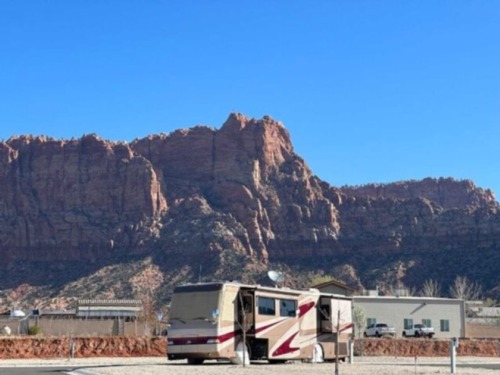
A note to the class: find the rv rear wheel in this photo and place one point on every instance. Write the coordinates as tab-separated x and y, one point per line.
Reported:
318	355
195	361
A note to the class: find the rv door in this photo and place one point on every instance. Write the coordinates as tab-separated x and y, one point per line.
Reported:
246	310
325	315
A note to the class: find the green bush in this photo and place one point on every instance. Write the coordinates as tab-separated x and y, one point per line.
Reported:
34	330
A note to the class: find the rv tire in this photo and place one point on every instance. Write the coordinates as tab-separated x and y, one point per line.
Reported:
195	361
318	354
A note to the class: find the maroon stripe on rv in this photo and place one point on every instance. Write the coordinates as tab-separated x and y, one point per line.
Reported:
285	348
346	327
199	340
304	309
260	329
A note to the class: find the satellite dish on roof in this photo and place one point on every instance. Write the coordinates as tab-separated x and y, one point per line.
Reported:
276	277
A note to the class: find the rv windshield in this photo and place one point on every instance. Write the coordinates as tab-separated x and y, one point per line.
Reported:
193	304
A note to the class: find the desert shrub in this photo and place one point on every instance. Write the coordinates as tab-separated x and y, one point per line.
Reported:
34	330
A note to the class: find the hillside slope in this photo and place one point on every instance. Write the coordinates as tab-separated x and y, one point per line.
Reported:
94	218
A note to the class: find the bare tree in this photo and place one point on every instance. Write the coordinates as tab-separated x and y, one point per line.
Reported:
243	311
463	288
359	319
430	288
393	289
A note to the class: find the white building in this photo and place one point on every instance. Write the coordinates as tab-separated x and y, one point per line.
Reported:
446	316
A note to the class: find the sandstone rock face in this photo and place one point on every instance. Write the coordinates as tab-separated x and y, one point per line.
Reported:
446	192
74	200
235	201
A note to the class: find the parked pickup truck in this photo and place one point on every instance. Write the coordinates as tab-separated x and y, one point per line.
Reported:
379	330
419	330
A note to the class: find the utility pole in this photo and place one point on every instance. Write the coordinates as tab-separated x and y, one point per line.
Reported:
337	344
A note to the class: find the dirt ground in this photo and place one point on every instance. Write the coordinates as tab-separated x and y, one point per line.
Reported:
214	368
362	366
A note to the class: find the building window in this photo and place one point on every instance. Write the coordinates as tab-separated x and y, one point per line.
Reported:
408	323
288	307
267	306
445	325
371	321
427	322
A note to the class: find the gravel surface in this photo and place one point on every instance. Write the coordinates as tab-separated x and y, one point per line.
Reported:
82	362
364	366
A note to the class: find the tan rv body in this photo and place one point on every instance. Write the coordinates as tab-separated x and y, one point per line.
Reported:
207	322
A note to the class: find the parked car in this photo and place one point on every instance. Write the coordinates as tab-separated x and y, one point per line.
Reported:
379	330
419	330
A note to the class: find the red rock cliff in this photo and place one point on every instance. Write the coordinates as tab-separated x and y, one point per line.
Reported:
233	200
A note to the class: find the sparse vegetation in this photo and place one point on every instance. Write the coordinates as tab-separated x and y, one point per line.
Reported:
463	288
34	330
431	288
359	320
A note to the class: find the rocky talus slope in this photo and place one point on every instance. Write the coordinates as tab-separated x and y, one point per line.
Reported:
94	218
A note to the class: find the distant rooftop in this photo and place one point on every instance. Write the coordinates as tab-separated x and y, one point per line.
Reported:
110	302
411	298
333	282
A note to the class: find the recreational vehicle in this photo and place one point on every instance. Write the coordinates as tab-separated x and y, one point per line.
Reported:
214	320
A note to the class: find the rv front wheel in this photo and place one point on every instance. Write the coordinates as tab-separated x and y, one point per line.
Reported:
318	355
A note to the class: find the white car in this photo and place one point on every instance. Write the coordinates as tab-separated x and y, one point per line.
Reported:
419	330
379	330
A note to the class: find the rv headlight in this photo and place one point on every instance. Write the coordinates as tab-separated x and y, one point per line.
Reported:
170	342
213	341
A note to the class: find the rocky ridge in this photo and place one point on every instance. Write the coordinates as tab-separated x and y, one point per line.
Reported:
233	200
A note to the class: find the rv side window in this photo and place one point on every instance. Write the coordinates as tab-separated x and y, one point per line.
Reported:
267	306
287	307
247	304
325	312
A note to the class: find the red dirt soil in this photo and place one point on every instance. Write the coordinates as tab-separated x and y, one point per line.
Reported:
124	346
54	347
425	348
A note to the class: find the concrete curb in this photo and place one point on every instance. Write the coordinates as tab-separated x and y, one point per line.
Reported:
82	372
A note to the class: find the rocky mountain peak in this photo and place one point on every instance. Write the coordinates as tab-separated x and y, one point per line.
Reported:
235	200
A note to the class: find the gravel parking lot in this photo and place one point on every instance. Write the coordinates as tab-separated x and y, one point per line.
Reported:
365	366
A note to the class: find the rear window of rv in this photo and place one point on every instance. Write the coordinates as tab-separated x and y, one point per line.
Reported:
288	307
267	306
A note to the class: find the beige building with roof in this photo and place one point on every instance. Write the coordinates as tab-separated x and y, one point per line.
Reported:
335	287
447	316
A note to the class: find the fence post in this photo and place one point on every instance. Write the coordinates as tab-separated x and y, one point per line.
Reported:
351	350
453	354
72	345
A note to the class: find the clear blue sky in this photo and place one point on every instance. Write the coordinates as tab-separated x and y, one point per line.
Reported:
371	91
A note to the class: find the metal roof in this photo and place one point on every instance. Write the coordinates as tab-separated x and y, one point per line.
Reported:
408	298
333	282
109	302
105	314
